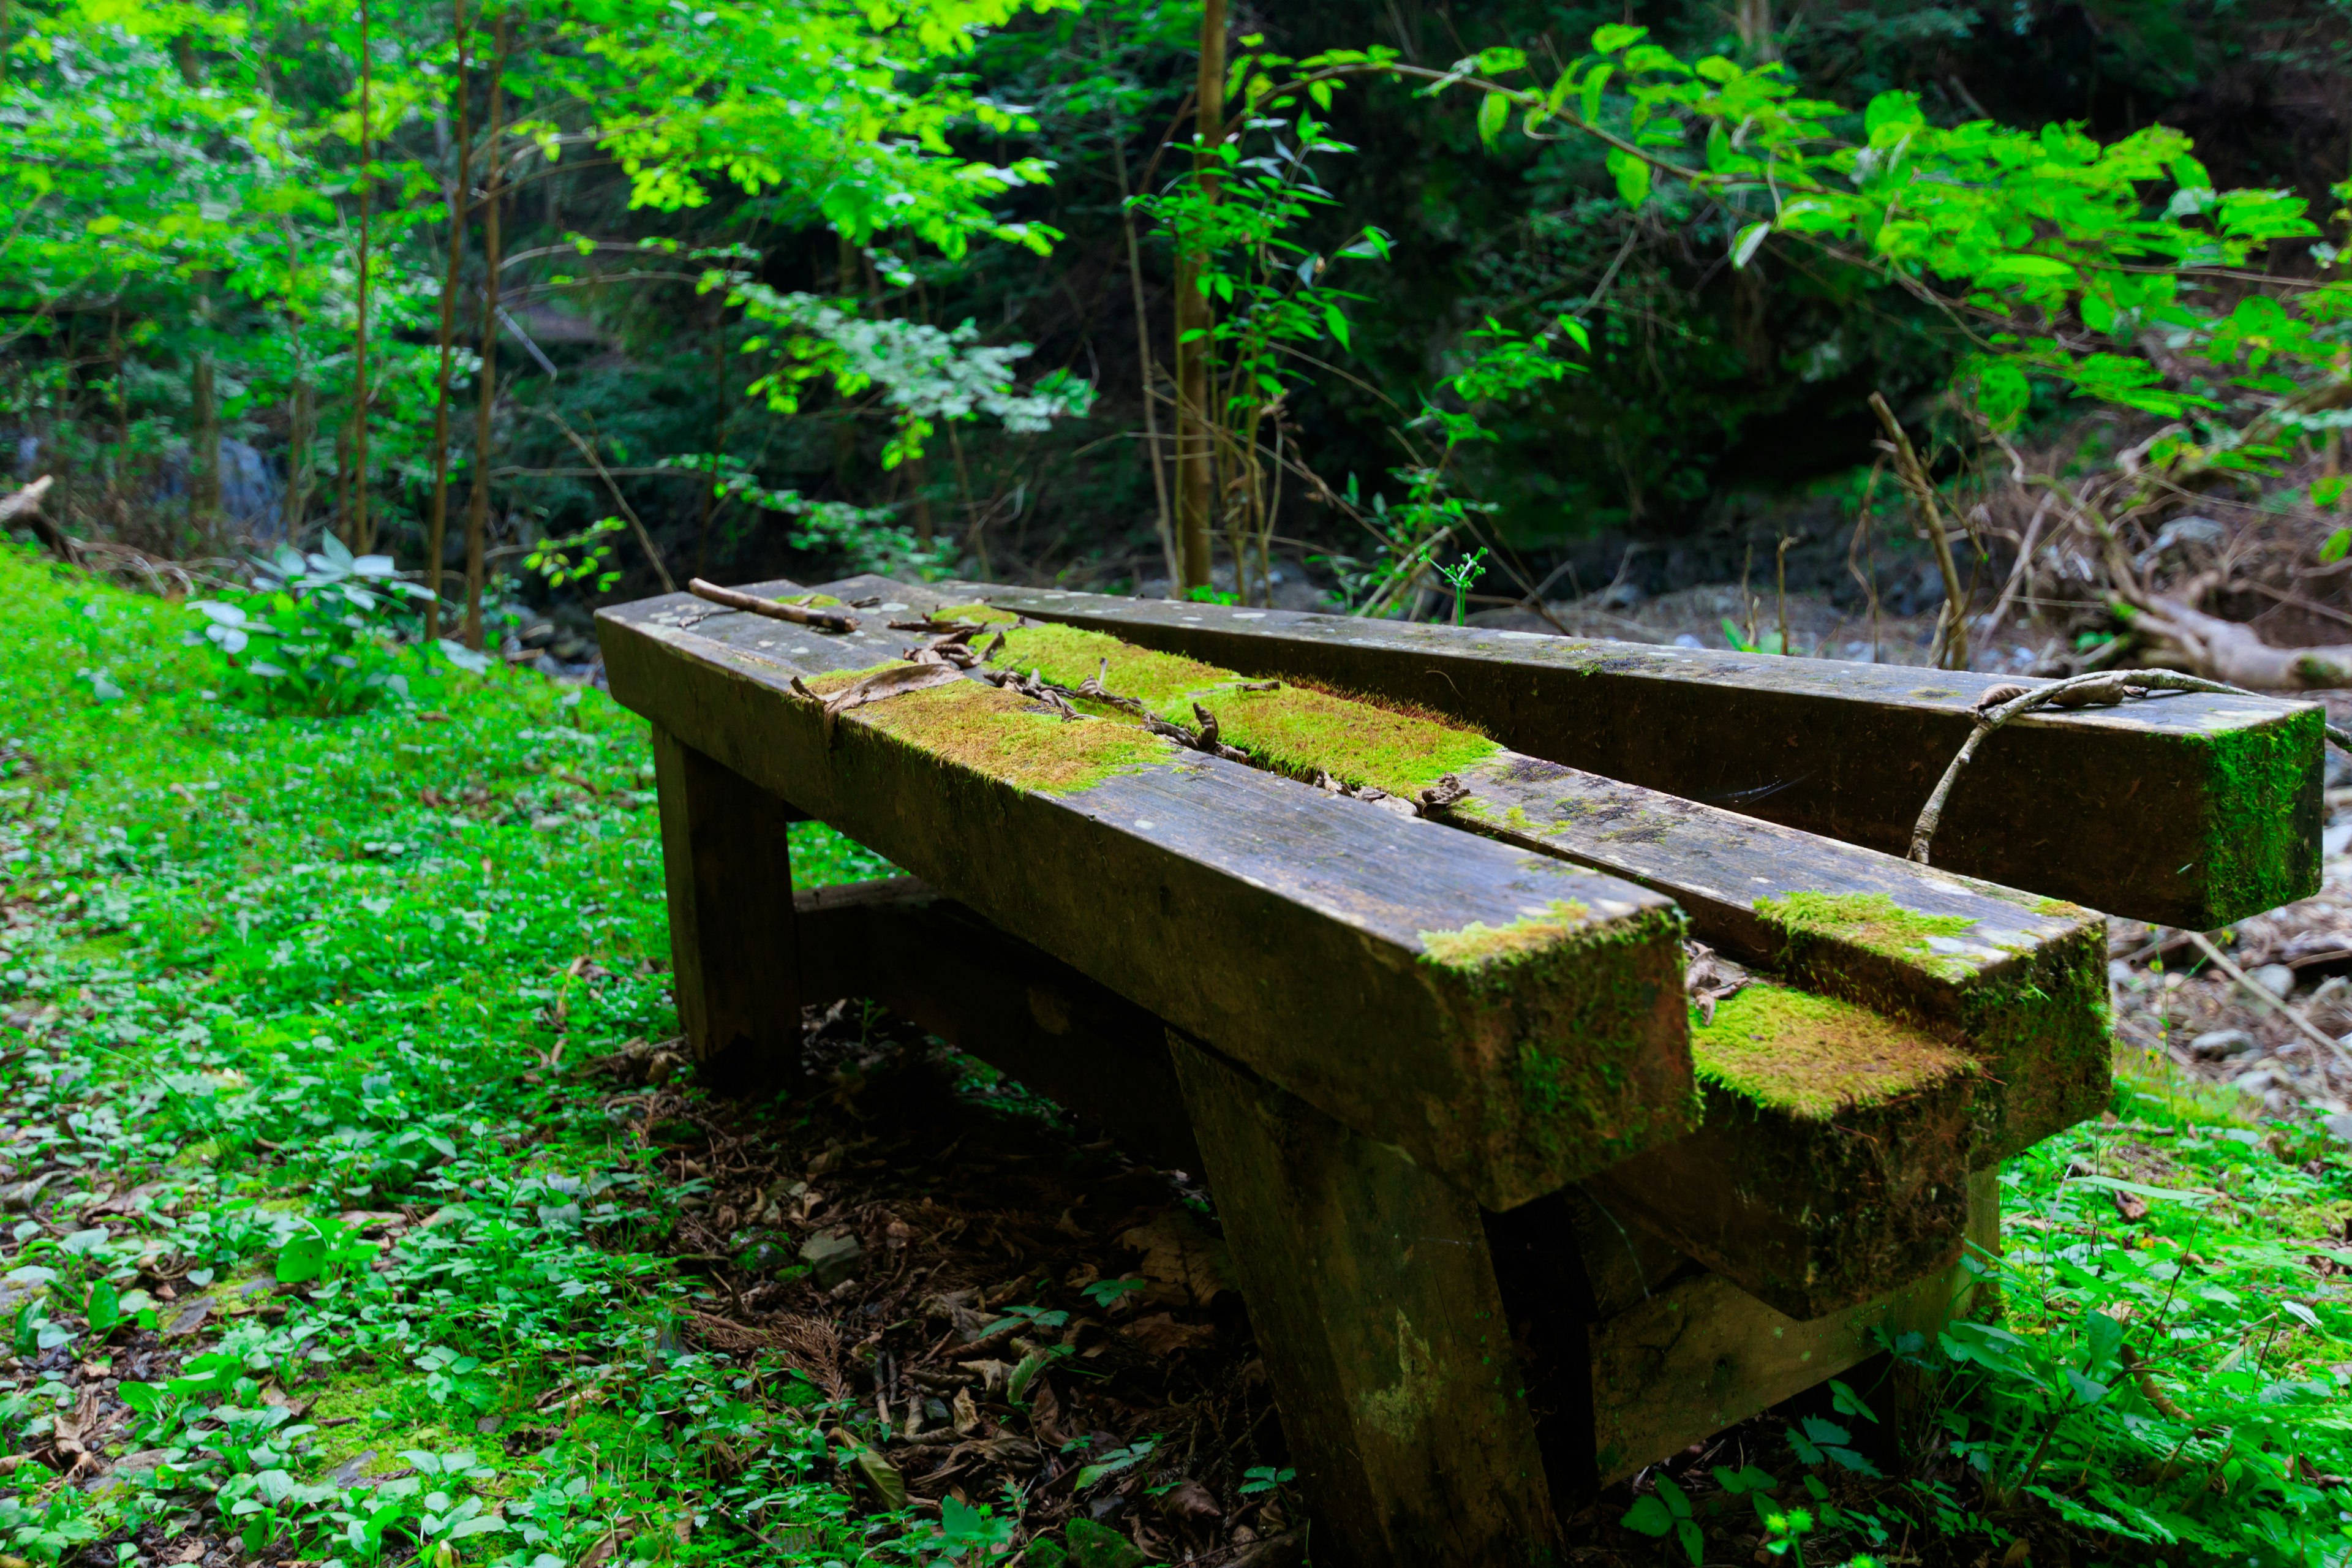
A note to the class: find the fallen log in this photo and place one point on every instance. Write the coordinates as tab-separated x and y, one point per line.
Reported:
2230	652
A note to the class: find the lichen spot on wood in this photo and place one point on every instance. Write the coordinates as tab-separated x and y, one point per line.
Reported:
1872	921
1478	947
997	735
1814	1057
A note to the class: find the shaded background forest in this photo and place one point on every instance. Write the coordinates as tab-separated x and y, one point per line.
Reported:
1723	410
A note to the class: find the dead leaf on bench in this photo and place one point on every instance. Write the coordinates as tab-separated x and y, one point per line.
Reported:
1161	1335
1178	1250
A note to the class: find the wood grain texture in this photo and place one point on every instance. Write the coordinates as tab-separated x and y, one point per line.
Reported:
1303	933
2193	811
727	868
1374	1301
1025	1013
1701	1354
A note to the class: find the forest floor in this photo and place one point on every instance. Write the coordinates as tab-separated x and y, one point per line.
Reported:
357	1208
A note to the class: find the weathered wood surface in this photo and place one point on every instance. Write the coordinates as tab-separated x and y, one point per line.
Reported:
1510	1021
2193	811
2017	980
1835	1143
1832	1160
1376	1308
922	954
727	867
1693	1357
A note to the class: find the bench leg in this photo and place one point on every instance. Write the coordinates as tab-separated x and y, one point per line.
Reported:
727	865
1374	1299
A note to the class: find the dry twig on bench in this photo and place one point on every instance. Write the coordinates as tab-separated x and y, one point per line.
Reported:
800	615
2001	703
895	681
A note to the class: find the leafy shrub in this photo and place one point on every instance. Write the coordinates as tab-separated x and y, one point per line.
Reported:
330	626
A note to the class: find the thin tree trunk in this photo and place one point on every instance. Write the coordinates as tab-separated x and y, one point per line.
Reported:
114	479
203	463
362	532
1196	458
301	433
477	505
460	197
1143	353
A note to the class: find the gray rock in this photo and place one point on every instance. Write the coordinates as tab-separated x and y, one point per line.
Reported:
2216	1042
2262	1081
2339	1126
2278	979
834	1256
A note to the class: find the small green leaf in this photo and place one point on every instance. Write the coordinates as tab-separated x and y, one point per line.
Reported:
1494	110
1631	174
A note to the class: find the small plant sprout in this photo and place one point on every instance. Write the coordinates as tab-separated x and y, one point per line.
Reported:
1667	1512
1461	575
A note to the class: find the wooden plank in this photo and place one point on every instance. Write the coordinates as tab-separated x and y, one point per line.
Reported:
1701	1354
1511	1021
2190	811
2016	980
727	867
1375	1304
1834	1159
901	943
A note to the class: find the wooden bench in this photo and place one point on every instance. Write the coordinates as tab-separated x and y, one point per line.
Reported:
1508	1225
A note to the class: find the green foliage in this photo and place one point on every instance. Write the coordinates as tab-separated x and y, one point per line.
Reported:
329	626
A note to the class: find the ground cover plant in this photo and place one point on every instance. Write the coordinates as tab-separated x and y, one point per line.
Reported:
358	1206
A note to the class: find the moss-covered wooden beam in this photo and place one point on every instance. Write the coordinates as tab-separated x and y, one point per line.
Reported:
1513	1022
2016	981
2193	811
1833	1158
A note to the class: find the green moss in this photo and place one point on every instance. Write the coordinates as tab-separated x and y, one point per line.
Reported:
1297	729
1478	946
986	615
1872	921
2261	823
995	734
1815	1056
808	600
1068	655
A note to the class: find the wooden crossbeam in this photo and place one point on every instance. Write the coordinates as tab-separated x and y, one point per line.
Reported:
901	943
1511	1021
2191	811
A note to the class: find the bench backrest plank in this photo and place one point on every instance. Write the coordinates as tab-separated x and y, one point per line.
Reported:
2191	811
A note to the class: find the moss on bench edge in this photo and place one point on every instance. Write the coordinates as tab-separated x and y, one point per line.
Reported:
1814	1057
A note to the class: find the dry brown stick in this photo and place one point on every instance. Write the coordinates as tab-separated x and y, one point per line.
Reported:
2303	1026
1914	475
823	620
2102	690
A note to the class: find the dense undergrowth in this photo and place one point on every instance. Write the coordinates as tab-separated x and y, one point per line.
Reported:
320	1248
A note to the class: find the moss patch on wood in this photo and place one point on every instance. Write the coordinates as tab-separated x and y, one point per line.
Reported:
1872	921
2262	822
986	615
1478	946
808	600
1815	1056
995	734
1297	729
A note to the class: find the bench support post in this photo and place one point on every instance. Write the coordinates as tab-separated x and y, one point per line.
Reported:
1374	1300
727	867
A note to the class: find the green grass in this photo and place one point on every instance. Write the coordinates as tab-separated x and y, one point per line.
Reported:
261	982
